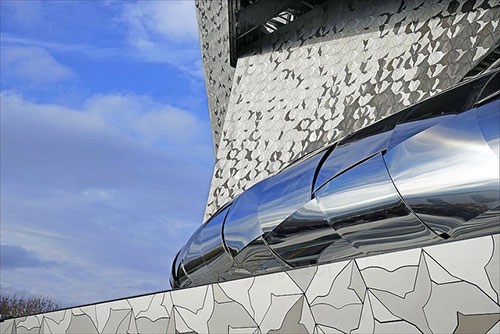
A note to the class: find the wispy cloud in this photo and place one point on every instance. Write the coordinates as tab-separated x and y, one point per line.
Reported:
151	31
13	257
88	50
32	64
157	28
110	191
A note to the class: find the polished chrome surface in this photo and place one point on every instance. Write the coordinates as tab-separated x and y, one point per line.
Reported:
344	156
285	192
301	238
425	175
488	118
448	173
193	259
215	258
364	208
242	224
257	258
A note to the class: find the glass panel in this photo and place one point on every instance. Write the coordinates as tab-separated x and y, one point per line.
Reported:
365	209
302	237
286	192
242	225
448	174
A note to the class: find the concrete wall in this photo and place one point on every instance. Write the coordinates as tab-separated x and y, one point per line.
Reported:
449	288
336	70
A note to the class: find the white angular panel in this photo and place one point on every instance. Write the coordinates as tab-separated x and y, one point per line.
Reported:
103	311
322	281
366	322
198	321
438	274
380	312
239	291
60	323
466	260
275	314
193	302
262	288
155	309
29	323
391	261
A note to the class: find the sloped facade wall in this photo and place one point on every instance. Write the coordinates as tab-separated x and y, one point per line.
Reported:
449	288
213	27
339	68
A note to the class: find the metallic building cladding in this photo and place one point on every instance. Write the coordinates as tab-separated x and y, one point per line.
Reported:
425	175
338	68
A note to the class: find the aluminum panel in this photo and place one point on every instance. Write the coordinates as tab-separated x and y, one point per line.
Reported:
448	173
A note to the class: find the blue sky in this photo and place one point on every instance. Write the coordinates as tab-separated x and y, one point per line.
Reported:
106	148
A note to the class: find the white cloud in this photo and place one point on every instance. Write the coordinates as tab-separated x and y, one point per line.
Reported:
32	64
164	31
141	117
173	20
112	190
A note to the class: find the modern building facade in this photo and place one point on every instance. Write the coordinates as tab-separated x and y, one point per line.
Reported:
337	68
285	78
426	175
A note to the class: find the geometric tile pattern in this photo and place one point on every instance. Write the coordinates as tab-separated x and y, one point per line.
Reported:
214	38
331	72
448	288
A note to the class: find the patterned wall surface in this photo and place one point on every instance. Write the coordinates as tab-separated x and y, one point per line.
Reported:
339	69
450	288
214	38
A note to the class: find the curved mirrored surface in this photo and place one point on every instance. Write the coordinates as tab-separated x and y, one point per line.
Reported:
183	280
242	224
257	258
448	173
286	192
303	236
406	130
432	176
193	259
488	118
364	208
215	257
342	157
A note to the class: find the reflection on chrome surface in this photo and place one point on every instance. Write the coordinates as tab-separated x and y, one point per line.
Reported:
426	175
364	208
448	173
